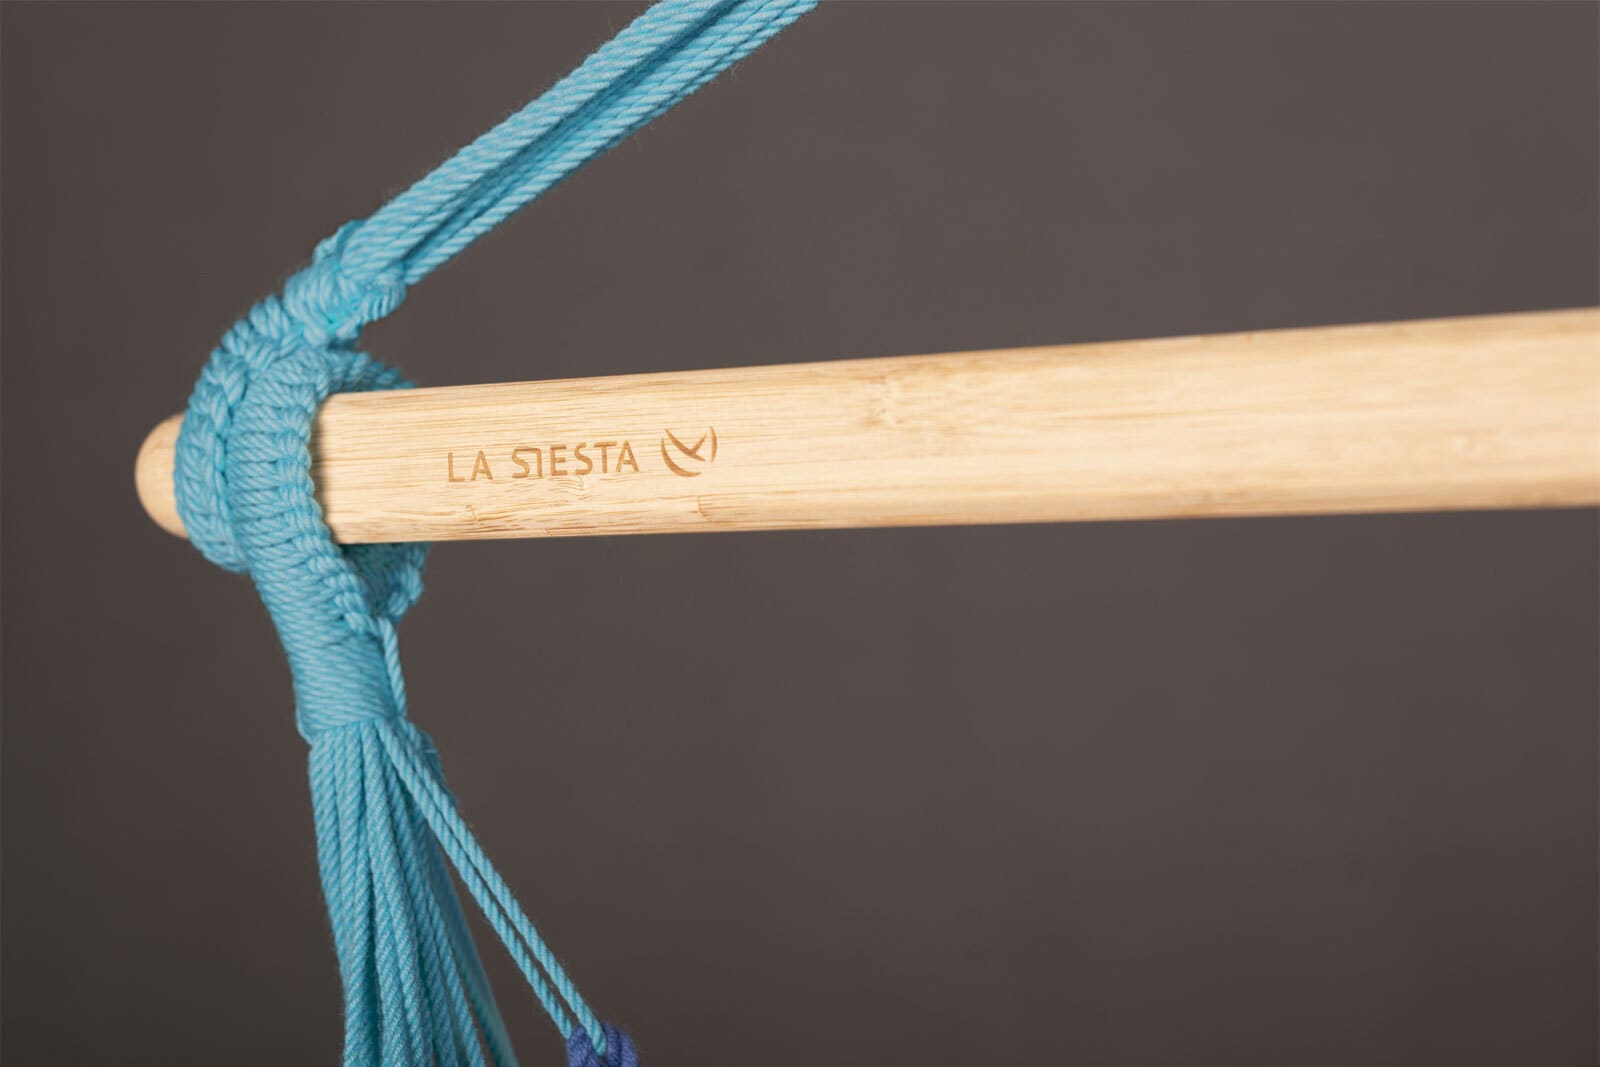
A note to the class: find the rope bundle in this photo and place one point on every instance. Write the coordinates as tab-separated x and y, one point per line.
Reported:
414	988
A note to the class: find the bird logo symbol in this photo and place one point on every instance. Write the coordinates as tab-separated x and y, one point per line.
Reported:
688	456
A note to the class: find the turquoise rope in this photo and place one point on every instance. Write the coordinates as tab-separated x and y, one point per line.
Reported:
414	989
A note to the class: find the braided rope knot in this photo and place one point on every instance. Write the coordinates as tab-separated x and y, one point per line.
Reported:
330	304
244	489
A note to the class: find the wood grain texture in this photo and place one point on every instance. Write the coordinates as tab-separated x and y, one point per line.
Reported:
1485	412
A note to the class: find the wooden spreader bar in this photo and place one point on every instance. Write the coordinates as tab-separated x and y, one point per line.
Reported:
1488	412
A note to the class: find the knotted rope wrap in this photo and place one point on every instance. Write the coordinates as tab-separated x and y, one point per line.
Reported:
414	989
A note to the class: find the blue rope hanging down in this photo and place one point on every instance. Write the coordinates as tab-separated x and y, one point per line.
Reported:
414	990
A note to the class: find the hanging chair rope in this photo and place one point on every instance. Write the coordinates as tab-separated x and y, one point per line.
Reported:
414	989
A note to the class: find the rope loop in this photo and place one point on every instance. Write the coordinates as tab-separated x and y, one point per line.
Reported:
301	339
248	430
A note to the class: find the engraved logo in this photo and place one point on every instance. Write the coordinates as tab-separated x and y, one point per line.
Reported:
576	461
688	458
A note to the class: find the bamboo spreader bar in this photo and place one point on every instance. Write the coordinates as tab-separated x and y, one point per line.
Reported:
1487	412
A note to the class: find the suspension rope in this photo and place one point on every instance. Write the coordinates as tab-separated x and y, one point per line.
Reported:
414	989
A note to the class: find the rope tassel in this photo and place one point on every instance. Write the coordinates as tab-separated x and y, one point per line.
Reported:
388	831
414	966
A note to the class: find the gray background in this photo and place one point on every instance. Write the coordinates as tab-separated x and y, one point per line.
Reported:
1314	791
